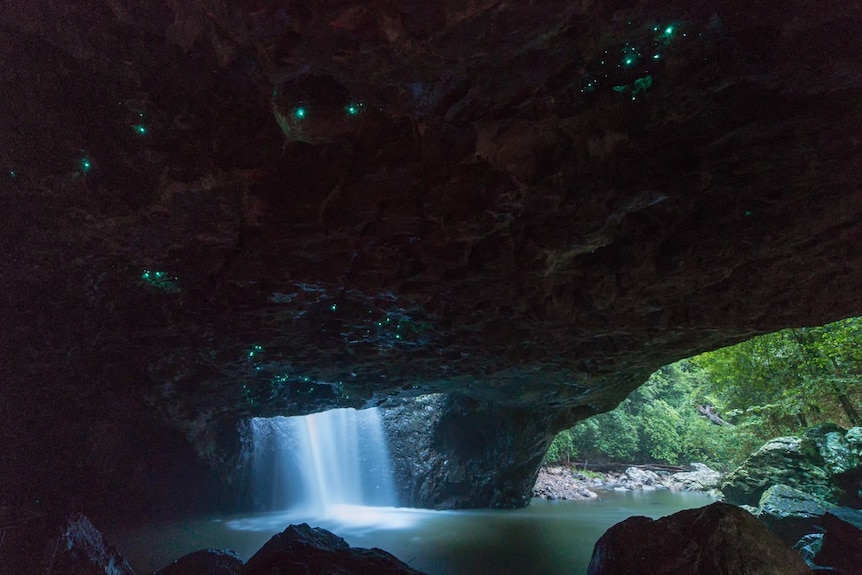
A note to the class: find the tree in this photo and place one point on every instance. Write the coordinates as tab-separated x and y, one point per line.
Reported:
776	384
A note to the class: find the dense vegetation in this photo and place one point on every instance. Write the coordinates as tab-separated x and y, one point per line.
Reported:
772	385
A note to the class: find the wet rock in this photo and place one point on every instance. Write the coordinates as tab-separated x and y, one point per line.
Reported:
315	551
808	546
719	538
792	461
450	452
791	513
205	562
83	550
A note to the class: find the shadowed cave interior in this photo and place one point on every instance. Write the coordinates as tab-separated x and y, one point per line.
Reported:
217	211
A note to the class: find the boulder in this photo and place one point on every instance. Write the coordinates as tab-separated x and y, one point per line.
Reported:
718	538
791	513
83	550
700	478
205	562
561	483
792	461
841	548
315	551
641	479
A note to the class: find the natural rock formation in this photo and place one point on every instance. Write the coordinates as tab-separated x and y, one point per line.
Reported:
700	478
57	546
449	451
316	551
205	562
222	209
841	548
719	538
790	513
560	483
824	463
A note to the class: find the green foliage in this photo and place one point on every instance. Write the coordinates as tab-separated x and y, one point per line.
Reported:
561	449
772	385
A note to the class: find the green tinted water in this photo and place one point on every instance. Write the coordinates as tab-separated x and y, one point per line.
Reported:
548	537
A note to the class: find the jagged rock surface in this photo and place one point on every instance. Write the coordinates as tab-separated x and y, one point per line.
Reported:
823	463
790	513
216	210
453	452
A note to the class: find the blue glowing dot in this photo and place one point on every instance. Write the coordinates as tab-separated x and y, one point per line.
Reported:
13	174
353	109
333	307
300	113
85	165
656	56
140	129
669	30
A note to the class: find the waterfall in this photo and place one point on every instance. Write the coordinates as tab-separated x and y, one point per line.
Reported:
316	463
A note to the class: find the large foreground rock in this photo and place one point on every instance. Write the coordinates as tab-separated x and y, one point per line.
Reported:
717	539
305	550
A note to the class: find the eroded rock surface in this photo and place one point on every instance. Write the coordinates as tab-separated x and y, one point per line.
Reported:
790	513
216	210
823	462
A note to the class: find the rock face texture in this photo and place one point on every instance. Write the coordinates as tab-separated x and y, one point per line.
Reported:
824	463
216	210
450	452
719	538
71	545
790	513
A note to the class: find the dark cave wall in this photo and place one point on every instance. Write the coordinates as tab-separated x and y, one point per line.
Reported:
493	229
450	452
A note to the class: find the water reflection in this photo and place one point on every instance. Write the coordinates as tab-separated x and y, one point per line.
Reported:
547	537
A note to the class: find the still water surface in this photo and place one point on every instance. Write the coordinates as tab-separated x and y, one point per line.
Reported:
547	537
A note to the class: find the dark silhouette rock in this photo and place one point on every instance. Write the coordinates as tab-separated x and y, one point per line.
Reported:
82	550
205	562
301	549
841	548
719	538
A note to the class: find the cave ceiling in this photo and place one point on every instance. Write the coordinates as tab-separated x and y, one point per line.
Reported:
230	208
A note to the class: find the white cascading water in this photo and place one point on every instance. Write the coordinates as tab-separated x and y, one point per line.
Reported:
317	463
